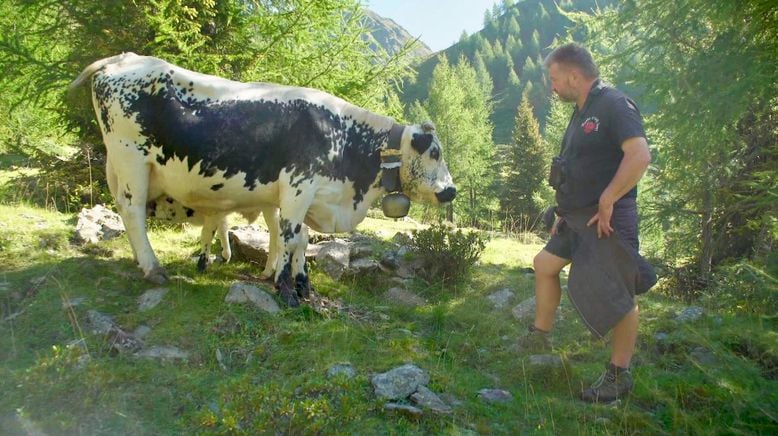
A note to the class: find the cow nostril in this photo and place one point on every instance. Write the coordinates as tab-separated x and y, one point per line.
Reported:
446	195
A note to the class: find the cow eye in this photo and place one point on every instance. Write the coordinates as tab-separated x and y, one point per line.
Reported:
435	153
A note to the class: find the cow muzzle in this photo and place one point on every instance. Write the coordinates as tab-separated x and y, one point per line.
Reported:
446	195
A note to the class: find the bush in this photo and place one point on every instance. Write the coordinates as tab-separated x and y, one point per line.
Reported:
448	256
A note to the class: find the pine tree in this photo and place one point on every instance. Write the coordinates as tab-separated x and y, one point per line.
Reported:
525	172
460	107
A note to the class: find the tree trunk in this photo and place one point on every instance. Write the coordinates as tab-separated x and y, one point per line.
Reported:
706	252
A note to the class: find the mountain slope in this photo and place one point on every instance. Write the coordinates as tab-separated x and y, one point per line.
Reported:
390	36
512	46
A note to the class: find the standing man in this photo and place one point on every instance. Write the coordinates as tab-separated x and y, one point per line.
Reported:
604	154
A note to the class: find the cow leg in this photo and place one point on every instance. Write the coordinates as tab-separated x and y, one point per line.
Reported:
223	235
206	239
113	186
213	225
271	220
300	268
131	195
290	242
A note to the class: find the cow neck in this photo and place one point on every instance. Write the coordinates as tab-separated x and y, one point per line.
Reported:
391	159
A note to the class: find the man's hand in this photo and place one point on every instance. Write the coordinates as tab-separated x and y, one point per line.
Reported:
554	228
633	165
603	219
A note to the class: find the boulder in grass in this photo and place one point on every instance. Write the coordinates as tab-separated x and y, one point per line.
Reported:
97	224
399	382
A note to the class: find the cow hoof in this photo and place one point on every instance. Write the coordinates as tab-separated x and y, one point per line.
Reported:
202	262
289	297
157	276
266	274
303	288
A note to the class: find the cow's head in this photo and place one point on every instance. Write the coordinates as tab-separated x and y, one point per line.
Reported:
424	174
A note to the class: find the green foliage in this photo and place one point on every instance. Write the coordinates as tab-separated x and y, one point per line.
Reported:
512	34
459	106
748	287
448	255
713	190
524	191
251	372
44	45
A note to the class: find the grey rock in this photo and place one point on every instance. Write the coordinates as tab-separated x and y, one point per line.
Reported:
123	342
163	353
141	331
333	258
399	382
97	224
495	395
245	293
703	356
451	400
524	310
402	238
151	298
500	298
363	248
405	409
690	314
363	265
390	260
99	323
341	369
547	369
661	337
249	244
403	297
405	271
545	360
429	400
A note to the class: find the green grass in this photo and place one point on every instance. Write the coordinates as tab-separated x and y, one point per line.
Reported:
272	375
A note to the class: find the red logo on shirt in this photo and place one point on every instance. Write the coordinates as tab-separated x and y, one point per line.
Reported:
592	124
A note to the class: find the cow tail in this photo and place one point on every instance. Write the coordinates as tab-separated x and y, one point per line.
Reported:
92	68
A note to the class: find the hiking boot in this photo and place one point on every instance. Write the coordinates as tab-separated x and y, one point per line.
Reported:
613	384
535	341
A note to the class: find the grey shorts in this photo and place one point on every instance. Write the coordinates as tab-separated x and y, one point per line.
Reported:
624	222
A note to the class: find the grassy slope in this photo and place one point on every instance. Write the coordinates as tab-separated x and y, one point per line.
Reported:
275	364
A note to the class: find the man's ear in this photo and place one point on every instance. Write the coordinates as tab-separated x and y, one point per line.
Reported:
421	142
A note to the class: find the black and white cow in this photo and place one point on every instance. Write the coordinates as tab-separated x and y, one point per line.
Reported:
219	146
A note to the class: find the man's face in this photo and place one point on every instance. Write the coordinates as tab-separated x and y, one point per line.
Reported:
562	82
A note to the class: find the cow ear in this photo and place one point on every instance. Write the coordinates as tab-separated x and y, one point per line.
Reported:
421	142
427	127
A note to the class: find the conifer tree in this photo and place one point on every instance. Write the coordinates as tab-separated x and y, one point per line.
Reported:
460	107
525	172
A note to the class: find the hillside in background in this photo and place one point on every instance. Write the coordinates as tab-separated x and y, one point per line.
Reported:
511	46
392	37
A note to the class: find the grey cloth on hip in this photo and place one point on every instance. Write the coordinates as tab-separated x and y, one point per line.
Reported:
606	273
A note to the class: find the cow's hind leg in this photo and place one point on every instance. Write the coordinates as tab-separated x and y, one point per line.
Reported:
223	235
271	220
213	225
300	267
206	239
131	192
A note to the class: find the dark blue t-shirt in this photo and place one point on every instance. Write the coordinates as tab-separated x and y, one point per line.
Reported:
592	145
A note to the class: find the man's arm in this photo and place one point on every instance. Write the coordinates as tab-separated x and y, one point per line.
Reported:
632	167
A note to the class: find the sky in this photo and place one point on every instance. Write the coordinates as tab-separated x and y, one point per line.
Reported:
437	23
